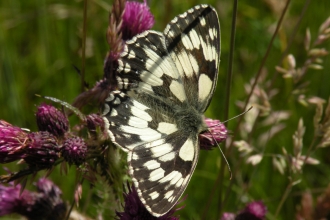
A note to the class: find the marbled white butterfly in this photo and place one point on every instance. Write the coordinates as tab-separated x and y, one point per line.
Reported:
166	83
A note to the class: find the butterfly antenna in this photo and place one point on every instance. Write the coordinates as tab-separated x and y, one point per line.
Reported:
231	173
237	115
232	117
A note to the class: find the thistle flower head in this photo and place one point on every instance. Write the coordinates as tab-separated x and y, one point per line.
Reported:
12	201
228	216
46	204
42	149
136	19
216	133
74	150
12	141
134	208
37	148
253	211
52	120
51	199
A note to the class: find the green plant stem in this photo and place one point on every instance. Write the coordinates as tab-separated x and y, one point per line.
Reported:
259	73
83	47
228	150
310	148
284	197
230	62
73	202
228	92
286	50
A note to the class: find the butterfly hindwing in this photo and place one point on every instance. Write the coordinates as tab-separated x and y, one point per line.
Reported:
161	170
161	157
166	82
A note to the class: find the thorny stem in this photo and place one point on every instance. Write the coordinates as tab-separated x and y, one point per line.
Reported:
284	197
14	176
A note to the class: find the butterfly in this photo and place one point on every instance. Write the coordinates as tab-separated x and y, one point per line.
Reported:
166	82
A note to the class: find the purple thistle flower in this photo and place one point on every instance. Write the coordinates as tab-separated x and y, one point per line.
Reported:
136	19
37	148
228	216
127	19
134	208
12	201
74	150
216	134
42	149
257	208
51	199
12	142
253	211
44	204
52	120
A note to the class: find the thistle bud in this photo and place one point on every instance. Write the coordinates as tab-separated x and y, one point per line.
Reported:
74	150
42	149
93	121
52	120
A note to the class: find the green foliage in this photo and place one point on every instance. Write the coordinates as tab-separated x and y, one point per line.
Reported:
41	44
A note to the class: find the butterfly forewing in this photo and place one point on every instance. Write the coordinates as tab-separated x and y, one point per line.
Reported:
132	123
146	68
166	82
193	41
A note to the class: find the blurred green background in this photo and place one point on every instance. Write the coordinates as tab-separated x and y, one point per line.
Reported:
40	43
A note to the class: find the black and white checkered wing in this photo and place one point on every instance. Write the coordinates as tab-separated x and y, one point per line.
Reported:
161	156
166	82
193	41
146	69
